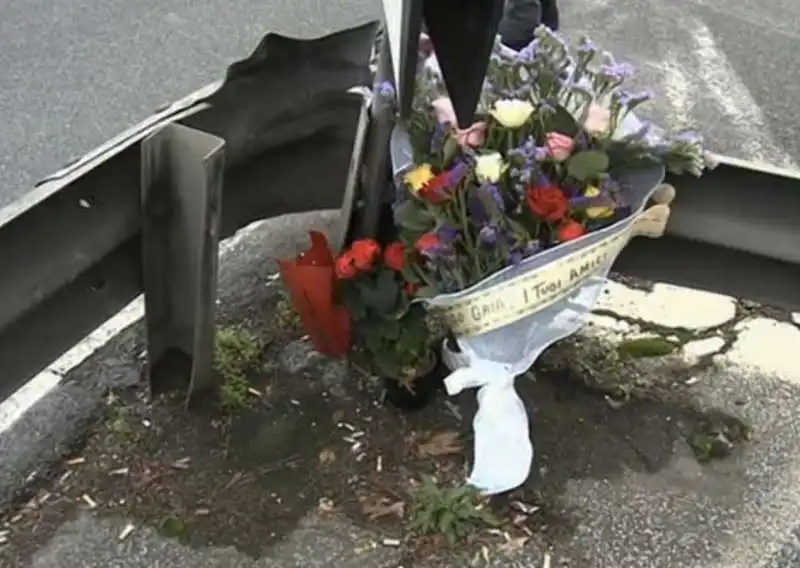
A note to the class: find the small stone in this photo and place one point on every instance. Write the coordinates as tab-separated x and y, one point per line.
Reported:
334	378
299	355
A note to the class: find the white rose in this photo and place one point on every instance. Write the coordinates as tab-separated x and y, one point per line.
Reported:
512	113
598	120
490	167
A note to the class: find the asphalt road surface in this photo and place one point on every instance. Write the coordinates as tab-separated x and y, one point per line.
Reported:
75	73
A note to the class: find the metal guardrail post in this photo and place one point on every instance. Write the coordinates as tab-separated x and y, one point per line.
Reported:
182	172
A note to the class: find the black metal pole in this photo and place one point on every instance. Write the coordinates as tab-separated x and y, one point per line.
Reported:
462	33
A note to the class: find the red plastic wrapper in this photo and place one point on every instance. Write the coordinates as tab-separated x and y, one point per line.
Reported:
311	280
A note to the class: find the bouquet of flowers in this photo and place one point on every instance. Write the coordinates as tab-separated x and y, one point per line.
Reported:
387	325
516	220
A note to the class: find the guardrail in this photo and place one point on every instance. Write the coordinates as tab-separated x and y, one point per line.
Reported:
733	231
74	248
145	211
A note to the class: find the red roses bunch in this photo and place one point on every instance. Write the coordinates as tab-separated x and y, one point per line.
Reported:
550	204
388	326
364	256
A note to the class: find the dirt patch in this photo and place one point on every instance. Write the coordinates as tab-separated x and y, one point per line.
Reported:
310	433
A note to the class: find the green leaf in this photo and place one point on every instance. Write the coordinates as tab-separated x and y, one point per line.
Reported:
546	82
352	300
374	342
449	150
413	216
587	165
518	228
391	329
173	527
561	120
381	293
411	276
385	363
647	347
402	307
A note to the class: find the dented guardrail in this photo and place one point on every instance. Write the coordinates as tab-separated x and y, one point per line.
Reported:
73	247
90	238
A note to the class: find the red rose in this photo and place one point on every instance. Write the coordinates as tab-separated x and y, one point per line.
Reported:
345	269
569	230
436	190
410	288
395	256
364	252
547	202
427	242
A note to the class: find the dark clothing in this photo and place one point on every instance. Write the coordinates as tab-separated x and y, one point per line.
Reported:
522	17
550	14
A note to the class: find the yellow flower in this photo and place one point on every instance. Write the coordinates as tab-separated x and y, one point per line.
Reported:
596	212
512	113
418	177
489	167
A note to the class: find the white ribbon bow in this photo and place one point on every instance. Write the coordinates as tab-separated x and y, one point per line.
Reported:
503	449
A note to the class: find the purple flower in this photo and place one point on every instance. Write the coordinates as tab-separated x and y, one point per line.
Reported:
688	137
609	185
447	234
570	188
493	192
514	258
581	201
488	235
457	173
616	71
386	91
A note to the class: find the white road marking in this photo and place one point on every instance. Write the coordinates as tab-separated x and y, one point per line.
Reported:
677	88
718	76
26	396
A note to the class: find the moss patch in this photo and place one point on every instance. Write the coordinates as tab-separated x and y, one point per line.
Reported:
646	347
237	352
